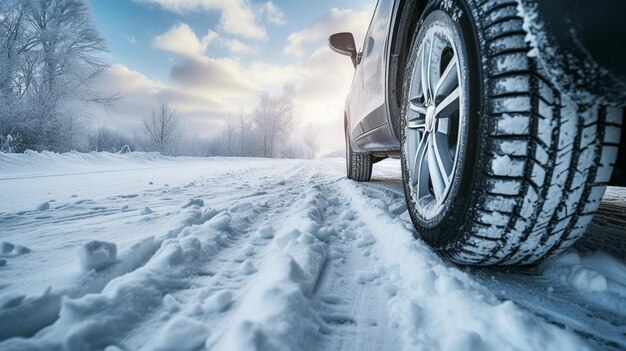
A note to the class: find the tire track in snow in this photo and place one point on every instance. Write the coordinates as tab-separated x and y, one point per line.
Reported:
25	316
38	312
351	277
437	306
596	318
213	293
318	281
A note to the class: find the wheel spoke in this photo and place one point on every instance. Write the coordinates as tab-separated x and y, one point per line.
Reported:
417	175
417	106
424	75
449	79
429	68
416	125
442	155
436	178
448	105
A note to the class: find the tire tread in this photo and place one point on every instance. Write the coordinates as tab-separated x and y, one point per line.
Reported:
561	154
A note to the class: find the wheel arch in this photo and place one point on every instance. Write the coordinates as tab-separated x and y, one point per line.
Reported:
405	22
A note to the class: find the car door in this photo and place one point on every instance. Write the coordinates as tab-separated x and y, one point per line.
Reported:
371	109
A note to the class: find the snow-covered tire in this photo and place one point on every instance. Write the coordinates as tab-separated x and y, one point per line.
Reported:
358	165
535	163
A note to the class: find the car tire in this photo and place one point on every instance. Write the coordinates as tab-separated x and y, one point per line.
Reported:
358	165
534	164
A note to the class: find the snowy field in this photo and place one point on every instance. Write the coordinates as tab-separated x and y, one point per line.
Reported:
144	252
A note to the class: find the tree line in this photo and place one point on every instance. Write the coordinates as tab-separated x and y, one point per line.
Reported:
51	56
269	131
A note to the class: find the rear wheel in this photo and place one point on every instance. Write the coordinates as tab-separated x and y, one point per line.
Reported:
499	167
358	165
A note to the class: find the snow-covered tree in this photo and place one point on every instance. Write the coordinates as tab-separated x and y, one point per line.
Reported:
274	118
50	56
162	127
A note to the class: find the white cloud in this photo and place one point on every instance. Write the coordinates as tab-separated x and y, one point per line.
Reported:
237	16
338	20
273	13
182	40
237	47
218	77
202	110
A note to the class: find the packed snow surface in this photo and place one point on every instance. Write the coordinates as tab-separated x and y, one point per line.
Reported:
145	252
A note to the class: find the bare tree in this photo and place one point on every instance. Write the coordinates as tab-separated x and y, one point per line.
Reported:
162	127
229	137
274	117
244	127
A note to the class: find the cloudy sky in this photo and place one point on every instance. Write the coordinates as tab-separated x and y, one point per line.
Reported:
211	58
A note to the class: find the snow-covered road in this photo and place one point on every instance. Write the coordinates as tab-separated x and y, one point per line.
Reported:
244	254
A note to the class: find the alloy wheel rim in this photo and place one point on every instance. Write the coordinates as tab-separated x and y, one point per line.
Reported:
434	119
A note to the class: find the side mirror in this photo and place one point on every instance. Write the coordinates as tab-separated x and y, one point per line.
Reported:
343	43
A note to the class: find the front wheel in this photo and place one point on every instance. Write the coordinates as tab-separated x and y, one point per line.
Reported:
498	166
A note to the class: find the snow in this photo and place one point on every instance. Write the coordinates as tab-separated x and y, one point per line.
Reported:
193	202
266	232
182	333
219	301
8	249
596	272
505	166
365	240
241	254
43	206
96	254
